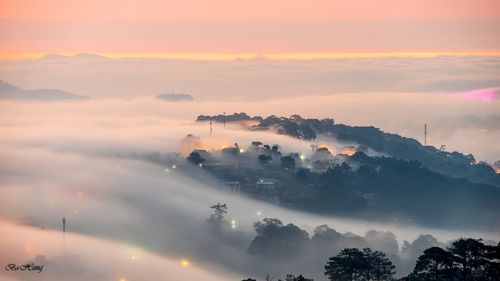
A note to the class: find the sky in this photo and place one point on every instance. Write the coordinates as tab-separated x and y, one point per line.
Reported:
31	28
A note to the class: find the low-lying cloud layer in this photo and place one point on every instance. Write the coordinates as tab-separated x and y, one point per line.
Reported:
75	161
255	79
72	256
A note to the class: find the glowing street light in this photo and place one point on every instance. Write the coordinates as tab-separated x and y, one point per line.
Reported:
185	263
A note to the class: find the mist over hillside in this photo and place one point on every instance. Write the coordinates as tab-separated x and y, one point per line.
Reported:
106	161
335	178
454	163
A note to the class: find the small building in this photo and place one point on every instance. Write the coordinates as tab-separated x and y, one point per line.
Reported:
267	185
267	189
233	185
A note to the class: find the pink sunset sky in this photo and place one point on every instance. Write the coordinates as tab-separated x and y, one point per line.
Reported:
257	26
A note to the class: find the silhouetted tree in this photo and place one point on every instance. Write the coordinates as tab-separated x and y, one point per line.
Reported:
196	158
469	255
277	240
265	159
302	174
379	267
340	173
323	150
349	265
492	270
435	264
256	144
217	220
287	162
353	264
291	277
249	279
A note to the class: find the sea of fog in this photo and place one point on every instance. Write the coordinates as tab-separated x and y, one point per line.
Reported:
127	219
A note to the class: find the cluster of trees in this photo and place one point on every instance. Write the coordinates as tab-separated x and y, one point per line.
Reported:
465	259
196	158
437	159
353	264
372	257
400	186
275	240
289	277
377	187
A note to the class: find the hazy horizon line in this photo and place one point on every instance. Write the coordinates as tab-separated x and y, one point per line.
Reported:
228	56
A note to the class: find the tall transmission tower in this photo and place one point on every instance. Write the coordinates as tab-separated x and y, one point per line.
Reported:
64	234
210	127
224	120
425	134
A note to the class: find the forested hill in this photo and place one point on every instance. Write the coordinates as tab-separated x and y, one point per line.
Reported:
454	164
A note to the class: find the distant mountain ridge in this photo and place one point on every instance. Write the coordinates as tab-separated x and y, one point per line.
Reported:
175	97
79	56
11	92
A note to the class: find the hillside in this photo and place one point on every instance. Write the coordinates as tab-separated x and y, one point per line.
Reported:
454	164
11	92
